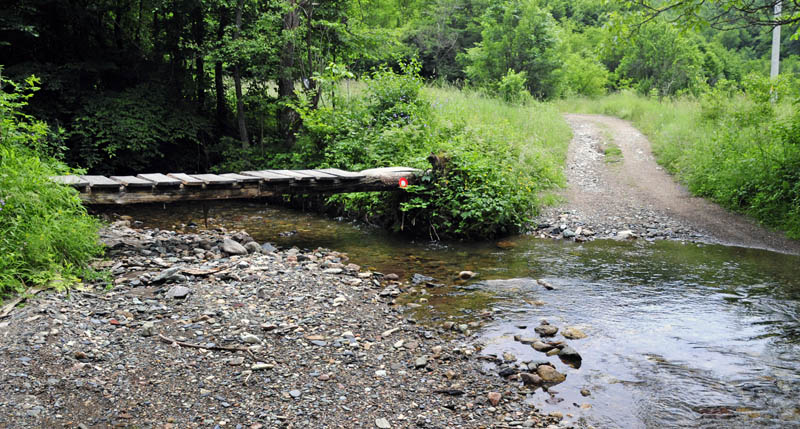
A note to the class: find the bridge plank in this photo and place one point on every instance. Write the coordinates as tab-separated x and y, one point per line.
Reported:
268	176
100	182
160	179
342	174
133	182
241	178
213	179
74	181
246	184
318	175
293	174
186	179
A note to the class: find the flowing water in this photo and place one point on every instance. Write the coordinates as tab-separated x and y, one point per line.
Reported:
679	335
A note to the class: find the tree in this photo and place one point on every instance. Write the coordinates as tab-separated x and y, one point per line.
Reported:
516	35
721	14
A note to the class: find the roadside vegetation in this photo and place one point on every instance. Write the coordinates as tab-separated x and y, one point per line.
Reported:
46	238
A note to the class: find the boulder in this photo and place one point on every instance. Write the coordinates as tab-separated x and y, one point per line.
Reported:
550	375
232	247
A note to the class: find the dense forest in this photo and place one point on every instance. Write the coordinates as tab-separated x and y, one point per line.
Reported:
129	86
132	85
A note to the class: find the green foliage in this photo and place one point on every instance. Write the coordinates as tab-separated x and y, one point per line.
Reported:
134	130
47	235
659	58
495	158
512	87
580	75
516	35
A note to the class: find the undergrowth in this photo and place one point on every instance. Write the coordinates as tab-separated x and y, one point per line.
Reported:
491	159
46	236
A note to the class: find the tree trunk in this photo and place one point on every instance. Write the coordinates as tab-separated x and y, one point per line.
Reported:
218	72
237	81
199	32
287	117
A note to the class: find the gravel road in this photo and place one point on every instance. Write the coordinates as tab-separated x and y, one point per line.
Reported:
636	198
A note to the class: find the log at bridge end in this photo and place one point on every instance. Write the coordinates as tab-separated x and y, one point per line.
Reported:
163	188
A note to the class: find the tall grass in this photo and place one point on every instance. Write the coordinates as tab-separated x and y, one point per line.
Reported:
536	131
46	236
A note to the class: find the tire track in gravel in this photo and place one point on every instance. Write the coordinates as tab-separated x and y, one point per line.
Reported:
637	194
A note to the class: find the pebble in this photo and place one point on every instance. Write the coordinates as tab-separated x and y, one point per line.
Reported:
382	423
494	398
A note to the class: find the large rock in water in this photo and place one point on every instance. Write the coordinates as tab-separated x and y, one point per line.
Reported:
550	375
233	248
546	329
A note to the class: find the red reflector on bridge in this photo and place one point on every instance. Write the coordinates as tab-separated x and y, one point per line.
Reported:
403	182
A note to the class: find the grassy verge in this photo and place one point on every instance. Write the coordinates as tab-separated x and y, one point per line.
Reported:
734	146
492	160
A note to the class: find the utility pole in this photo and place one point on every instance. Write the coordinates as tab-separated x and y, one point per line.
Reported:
774	67
776	44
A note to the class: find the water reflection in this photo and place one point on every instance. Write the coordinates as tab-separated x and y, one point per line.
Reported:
680	335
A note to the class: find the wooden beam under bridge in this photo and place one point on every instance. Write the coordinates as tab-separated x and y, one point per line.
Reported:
163	188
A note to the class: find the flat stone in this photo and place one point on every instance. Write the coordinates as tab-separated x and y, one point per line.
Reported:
250	338
167	274
525	340
178	292
494	398
382	423
295	393
261	366
540	346
421	362
268	247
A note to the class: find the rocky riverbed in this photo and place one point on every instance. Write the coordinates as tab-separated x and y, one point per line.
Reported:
215	330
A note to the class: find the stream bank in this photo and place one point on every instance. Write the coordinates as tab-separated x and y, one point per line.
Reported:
211	329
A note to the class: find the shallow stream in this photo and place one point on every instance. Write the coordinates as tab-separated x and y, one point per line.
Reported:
679	334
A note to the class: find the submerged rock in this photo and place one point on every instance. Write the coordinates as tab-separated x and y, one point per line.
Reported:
573	333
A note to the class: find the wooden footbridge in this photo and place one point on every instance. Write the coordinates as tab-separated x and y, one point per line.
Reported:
162	188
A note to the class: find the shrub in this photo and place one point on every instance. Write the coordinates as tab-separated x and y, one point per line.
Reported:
494	158
46	234
512	87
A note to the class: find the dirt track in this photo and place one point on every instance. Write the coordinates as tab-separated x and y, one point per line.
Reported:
637	194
